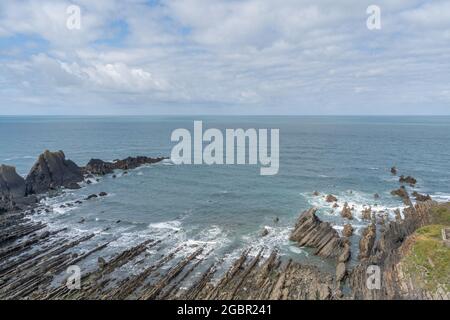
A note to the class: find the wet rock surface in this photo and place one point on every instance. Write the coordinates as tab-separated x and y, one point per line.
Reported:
100	167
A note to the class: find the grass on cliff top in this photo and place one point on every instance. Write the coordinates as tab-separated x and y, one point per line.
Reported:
428	260
440	214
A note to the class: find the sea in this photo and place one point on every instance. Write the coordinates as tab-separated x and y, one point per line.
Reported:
225	208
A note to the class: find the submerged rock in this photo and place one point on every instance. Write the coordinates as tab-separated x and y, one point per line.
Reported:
394	171
92	196
331	198
52	171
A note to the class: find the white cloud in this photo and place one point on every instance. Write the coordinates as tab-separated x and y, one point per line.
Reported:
295	56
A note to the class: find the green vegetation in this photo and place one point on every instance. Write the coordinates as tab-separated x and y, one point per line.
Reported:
428	260
440	214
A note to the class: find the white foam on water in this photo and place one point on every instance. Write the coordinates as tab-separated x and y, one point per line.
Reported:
171	225
440	197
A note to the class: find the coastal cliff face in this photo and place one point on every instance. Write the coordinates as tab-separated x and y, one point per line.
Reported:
12	188
394	254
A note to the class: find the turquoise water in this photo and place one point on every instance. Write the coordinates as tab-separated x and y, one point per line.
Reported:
226	207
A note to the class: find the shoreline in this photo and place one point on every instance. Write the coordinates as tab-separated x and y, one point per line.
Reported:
34	257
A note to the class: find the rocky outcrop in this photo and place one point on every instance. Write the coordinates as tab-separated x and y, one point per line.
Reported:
409	180
330	198
386	254
12	190
347	212
51	171
100	167
367	213
421	197
394	171
310	231
402	193
348	230
367	241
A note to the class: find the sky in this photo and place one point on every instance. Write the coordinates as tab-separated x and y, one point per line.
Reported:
306	57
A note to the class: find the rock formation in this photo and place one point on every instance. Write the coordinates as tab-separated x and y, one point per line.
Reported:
100	167
311	232
348	230
347	212
402	193
12	190
394	171
52	171
331	198
421	197
367	241
409	180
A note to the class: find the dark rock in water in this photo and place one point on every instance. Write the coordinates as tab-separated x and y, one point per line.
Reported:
402	193
52	171
102	194
276	220
311	232
118	221
367	241
92	196
114	176
316	193
78	202
125	173
410	180
348	230
394	171
73	186
100	167
265	232
376	196
331	198
82	220
101	262
421	197
88	181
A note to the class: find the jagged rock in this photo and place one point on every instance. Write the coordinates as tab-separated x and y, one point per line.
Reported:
331	198
100	167
264	232
347	212
398	215
52	171
394	171
348	230
346	252
73	186
402	193
335	205
340	271
367	213
12	188
410	180
311	232
421	197
367	241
